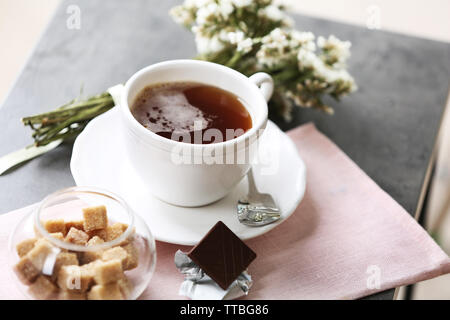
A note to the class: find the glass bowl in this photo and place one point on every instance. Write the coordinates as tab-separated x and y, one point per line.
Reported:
61	251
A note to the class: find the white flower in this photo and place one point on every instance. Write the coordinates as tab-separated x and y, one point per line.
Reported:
277	35
196	3
275	48
235	37
304	39
241	3
181	15
281	45
272	12
206	13
245	45
308	59
225	8
207	45
335	50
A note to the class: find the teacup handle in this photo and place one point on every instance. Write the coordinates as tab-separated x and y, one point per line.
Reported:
264	82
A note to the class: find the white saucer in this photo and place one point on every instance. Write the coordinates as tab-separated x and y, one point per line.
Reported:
99	160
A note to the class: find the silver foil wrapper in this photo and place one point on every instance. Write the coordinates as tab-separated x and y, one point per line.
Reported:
197	285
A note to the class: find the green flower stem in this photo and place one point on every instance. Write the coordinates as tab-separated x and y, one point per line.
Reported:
285	75
234	59
67	121
60	114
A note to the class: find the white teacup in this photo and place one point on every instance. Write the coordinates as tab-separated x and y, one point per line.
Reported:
162	162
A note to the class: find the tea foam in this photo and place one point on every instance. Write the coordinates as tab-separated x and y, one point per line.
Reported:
171	112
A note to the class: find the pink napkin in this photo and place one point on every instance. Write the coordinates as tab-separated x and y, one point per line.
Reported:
346	240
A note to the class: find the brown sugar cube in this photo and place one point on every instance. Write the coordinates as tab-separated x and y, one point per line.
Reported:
90	256
79	224
110	232
43	288
41	250
63	259
105	292
133	256
97	233
114	231
95	218
90	267
125	287
108	271
118	253
77	236
30	265
25	246
57	235
26	270
72	295
120	226
95	240
130	236
56	225
75	278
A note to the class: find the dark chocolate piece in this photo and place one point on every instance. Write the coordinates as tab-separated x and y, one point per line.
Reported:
222	255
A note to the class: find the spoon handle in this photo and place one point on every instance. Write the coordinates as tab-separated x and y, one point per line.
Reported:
252	190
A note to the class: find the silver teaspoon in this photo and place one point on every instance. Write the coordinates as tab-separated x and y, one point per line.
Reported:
257	209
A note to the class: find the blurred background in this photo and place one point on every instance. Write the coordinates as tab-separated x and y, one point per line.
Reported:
23	21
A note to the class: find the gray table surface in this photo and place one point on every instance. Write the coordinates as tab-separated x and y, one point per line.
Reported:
388	127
